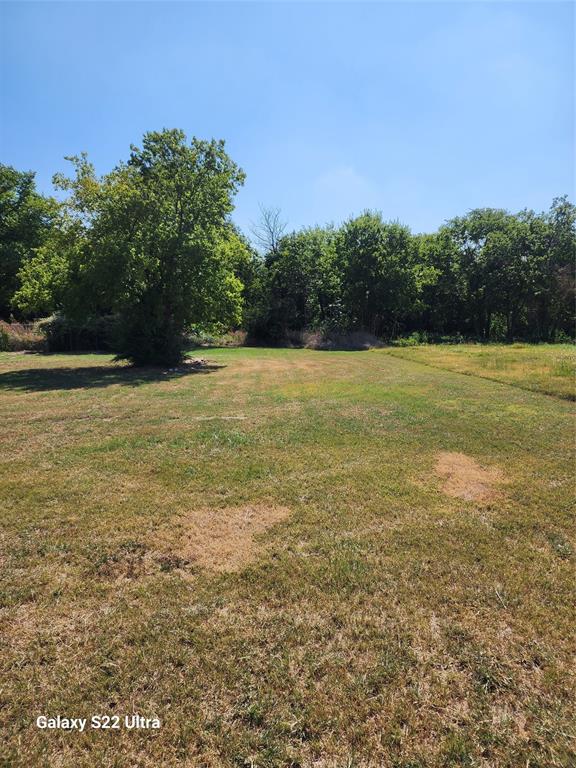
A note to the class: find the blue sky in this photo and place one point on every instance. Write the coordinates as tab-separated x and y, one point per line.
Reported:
422	110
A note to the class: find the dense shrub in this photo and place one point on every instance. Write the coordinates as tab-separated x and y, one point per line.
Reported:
18	337
94	335
350	340
417	338
560	337
324	339
198	338
413	340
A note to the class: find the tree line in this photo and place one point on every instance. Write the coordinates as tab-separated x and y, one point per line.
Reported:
489	275
151	246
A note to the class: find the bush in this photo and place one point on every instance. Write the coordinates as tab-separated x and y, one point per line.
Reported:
417	338
19	337
94	335
329	340
198	338
560	337
234	339
414	340
142	338
344	340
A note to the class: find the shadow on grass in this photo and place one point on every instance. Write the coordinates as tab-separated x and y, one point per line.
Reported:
91	377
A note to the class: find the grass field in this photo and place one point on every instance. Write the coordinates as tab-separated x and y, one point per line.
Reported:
548	368
292	558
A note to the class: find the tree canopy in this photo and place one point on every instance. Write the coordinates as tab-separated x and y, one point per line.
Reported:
488	275
26	220
151	243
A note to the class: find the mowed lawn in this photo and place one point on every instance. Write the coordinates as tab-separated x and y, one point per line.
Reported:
292	558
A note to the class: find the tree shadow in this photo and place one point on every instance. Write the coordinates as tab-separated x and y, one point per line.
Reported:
91	377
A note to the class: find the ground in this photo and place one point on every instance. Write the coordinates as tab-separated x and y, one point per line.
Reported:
290	557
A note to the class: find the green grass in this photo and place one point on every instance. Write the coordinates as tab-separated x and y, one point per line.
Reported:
548	368
382	623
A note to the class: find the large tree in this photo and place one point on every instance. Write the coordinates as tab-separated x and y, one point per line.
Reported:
471	234
150	241
443	297
380	276
302	284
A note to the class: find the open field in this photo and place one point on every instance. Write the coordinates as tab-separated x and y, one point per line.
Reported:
548	368
292	558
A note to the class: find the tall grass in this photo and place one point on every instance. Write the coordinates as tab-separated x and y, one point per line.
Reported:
18	337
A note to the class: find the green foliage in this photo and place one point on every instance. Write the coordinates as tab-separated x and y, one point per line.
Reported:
415	339
152	244
489	275
149	242
92	334
555	270
43	278
301	285
246	266
25	222
519	271
380	277
443	296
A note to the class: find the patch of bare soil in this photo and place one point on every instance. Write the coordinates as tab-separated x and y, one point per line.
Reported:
222	540
465	479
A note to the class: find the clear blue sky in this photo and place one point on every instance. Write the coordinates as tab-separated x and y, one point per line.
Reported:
422	110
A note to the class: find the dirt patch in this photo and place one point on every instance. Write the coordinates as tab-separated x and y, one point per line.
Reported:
465	479
223	539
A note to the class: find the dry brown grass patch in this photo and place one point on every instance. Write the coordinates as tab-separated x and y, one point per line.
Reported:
465	479
221	540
